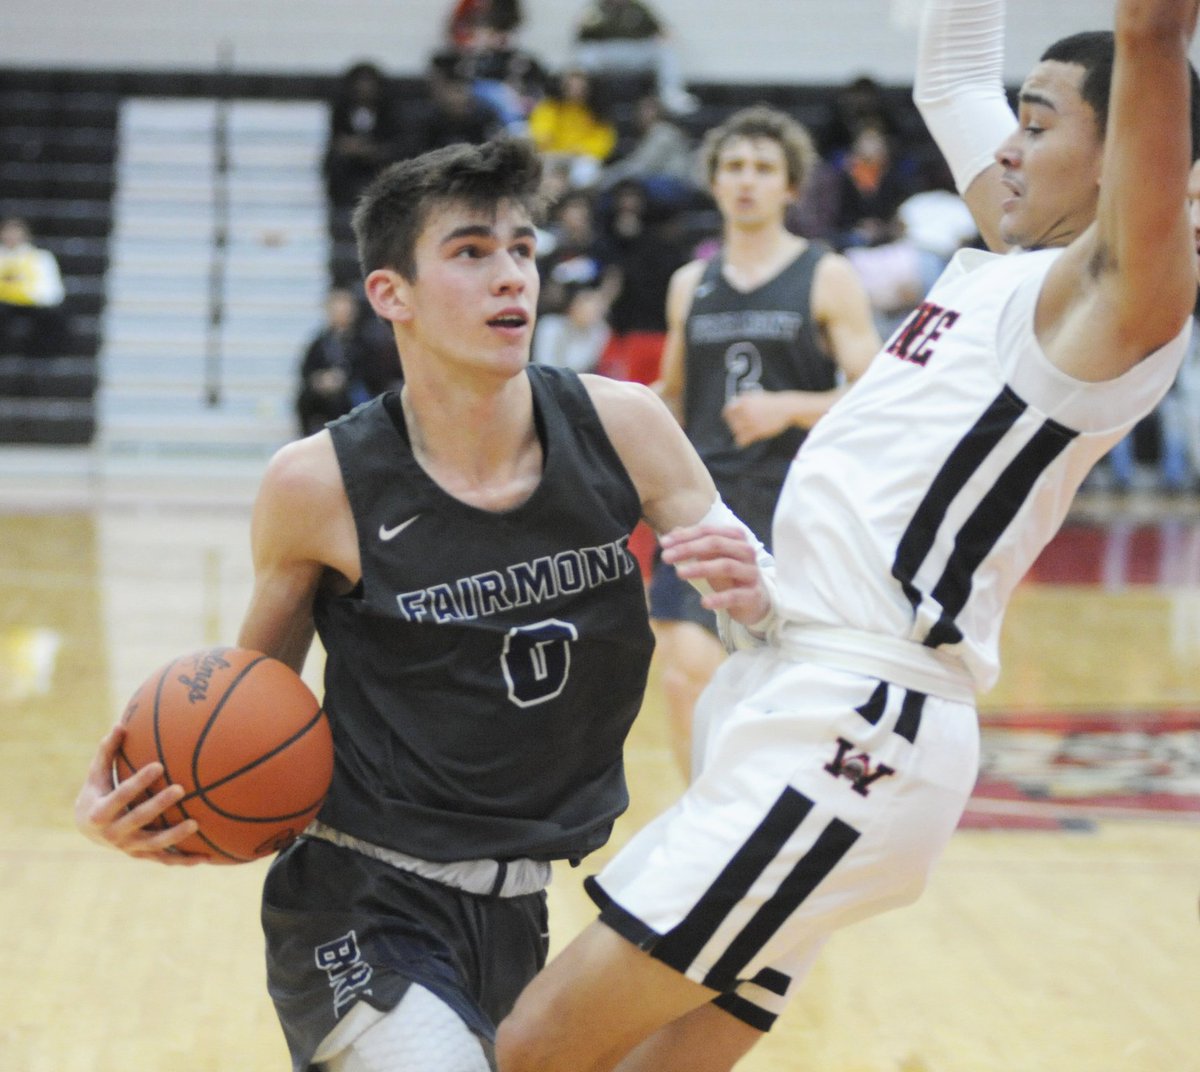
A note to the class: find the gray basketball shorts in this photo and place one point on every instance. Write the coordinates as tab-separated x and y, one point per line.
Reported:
342	927
823	797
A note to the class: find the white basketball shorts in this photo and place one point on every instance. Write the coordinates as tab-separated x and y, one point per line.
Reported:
823	797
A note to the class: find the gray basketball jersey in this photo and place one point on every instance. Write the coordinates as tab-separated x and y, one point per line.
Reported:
482	678
760	340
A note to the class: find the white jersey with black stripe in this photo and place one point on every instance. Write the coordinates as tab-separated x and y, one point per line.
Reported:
923	497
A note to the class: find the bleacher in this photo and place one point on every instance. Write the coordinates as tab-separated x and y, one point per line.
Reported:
125	379
57	149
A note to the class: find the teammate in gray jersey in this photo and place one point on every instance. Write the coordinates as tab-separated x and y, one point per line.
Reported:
839	756
461	547
762	339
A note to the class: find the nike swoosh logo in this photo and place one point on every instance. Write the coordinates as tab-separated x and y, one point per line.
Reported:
386	534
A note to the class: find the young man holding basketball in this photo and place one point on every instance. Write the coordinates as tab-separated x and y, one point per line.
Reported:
838	758
460	548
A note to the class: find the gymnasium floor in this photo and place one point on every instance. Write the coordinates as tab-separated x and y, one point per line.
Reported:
1059	934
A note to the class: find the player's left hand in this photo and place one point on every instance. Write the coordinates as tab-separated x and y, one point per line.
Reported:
756	415
725	558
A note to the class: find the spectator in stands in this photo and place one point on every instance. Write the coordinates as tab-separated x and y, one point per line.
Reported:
573	254
643	247
342	365
931	226
1187	392
661	158
470	18
451	114
569	126
364	133
508	79
936	221
575	337
615	36
814	213
1168	468
860	102
32	323
1156	455
871	188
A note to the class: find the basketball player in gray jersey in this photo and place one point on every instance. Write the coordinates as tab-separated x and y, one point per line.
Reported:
839	756
461	549
762	339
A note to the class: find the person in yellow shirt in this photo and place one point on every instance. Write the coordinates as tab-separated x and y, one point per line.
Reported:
31	294
571	131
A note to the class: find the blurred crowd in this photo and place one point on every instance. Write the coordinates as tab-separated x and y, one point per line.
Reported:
627	206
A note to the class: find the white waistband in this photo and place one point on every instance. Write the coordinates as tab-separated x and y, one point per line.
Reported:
902	662
485	878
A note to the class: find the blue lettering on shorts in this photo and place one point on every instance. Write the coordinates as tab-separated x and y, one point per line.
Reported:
348	973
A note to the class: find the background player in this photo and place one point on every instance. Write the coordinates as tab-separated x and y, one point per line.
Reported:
762	339
460	547
839	758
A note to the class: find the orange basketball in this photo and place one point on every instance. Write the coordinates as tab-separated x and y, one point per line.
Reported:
247	740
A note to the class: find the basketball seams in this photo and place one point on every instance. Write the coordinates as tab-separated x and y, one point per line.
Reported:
154	721
147	794
204	788
168	724
122	756
162	756
216	848
198	793
218	707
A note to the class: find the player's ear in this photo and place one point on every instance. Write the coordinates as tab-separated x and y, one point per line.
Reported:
389	294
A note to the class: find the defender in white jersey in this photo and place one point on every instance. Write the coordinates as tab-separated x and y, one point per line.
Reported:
838	757
950	467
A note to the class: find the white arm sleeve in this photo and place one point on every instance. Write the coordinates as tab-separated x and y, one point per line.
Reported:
959	86
734	635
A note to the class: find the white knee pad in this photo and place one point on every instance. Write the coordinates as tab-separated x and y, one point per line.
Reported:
420	1034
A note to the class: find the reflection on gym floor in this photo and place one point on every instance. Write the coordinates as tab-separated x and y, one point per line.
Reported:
1078	858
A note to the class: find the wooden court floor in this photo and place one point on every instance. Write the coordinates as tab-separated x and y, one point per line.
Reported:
1059	934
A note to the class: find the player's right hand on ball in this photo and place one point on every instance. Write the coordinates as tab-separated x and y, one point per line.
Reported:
117	816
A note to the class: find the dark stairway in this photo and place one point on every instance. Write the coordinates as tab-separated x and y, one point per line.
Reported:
57	155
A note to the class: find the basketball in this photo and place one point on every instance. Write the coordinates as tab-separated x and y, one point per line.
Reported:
244	736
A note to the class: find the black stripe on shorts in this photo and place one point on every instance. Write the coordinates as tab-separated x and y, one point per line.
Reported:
613	915
769	979
909	721
746	1011
911	707
682	944
873	709
832	844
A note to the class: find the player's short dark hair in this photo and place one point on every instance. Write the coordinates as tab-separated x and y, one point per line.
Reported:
762	121
396	205
1095	51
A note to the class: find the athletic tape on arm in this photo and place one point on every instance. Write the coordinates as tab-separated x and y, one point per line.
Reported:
734	635
959	86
